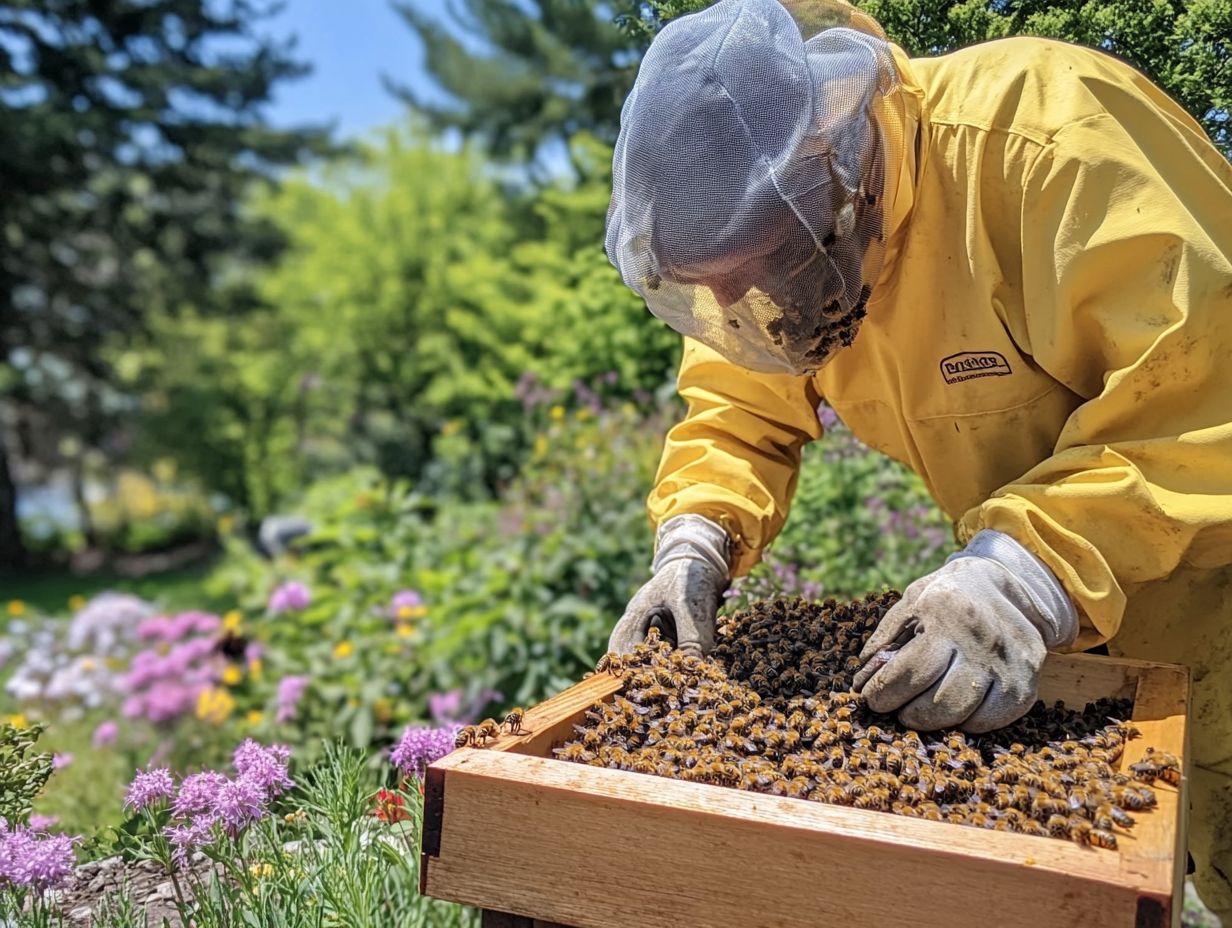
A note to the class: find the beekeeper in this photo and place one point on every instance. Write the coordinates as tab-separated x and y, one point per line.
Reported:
1009	267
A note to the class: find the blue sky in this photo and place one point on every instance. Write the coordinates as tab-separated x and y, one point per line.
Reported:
350	44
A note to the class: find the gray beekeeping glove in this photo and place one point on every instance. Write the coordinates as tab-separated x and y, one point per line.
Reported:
964	646
691	569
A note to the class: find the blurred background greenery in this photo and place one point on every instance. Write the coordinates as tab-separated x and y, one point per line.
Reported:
215	308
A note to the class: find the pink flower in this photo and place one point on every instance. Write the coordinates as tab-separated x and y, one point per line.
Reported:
148	787
105	734
60	760
290	691
43	823
290	597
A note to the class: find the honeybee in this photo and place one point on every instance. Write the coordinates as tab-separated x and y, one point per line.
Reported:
574	752
466	736
514	720
1058	826
488	729
612	663
1104	839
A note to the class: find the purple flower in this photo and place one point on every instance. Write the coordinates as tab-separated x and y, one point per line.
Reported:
42	823
105	734
290	691
290	597
266	767
421	746
449	708
827	417
187	838
60	760
148	787
404	599
198	794
239	802
37	861
445	707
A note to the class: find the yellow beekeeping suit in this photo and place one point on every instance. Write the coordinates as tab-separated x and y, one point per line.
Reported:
1050	348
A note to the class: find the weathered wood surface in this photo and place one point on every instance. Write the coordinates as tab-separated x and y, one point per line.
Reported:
598	848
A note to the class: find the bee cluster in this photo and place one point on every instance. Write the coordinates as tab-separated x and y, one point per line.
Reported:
772	711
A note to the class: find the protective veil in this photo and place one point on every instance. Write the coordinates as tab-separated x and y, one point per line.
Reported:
748	179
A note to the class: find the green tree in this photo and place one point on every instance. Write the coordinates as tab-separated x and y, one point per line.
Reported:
132	132
522	73
1185	47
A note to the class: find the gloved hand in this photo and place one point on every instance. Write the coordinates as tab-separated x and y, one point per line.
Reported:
691	569
970	639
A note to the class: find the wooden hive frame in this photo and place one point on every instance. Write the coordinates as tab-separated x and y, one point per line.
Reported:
510	829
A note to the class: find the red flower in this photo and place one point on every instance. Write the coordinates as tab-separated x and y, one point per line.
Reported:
388	807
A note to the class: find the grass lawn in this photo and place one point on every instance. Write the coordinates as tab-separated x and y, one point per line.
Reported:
49	593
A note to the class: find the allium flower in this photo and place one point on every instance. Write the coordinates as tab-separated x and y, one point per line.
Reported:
39	823
187	838
37	861
239	802
148	787
264	766
60	760
198	794
421	746
290	597
291	690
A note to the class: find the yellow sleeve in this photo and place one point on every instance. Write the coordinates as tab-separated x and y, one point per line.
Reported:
736	456
1127	286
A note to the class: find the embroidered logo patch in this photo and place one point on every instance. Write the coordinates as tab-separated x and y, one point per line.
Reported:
971	364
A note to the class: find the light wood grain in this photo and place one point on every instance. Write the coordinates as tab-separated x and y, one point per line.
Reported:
586	846
1156	853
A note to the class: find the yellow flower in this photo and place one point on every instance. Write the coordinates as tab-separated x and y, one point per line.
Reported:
583	414
17	721
261	870
254	717
412	612
232	675
404	630
16	608
629	409
298	817
382	709
76	602
231	621
256	668
557	413
224	525
343	649
541	445
214	705
451	427
87	664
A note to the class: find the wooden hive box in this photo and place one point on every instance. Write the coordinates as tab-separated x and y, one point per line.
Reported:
510	829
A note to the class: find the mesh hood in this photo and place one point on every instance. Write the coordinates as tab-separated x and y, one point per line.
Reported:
748	178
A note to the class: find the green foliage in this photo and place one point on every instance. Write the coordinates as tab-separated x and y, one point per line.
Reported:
859	522
548	70
23	772
132	141
414	297
1184	47
519	595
